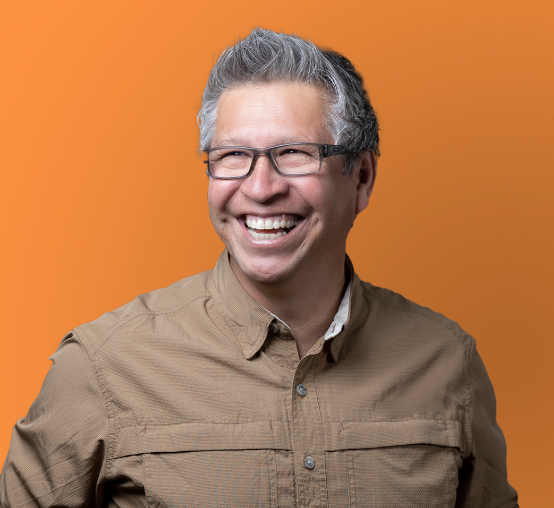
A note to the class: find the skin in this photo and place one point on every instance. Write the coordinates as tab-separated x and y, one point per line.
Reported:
300	276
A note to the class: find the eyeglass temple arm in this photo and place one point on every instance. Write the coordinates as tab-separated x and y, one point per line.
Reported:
329	150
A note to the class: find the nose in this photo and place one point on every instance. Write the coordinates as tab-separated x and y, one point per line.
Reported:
264	182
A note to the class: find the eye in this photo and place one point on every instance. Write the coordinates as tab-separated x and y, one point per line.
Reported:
297	152
229	155
232	153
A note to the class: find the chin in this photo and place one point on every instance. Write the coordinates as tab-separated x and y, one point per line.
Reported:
263	273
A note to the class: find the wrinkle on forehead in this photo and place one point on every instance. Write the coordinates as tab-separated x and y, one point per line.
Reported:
270	114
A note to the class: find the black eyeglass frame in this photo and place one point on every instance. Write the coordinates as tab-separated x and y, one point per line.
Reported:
324	152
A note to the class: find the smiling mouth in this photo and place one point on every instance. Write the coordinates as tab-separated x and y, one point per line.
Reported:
260	227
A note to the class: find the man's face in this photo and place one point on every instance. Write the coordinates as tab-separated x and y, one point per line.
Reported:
323	206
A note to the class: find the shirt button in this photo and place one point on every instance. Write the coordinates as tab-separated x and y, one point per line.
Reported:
309	462
301	390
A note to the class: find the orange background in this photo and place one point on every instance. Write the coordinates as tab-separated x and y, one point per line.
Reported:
103	192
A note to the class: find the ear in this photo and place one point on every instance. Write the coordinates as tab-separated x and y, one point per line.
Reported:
365	174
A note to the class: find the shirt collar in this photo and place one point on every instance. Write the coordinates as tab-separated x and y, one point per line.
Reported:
338	321
245	316
250	321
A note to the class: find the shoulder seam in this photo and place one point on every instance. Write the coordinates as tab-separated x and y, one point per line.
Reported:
107	400
468	410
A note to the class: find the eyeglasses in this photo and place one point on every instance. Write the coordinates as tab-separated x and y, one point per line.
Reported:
292	159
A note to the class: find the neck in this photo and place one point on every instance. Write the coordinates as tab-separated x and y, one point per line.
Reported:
307	302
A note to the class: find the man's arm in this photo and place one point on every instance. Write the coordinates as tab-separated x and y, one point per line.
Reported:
56	454
483	477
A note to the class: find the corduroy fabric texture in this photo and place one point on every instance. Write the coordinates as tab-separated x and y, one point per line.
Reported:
188	397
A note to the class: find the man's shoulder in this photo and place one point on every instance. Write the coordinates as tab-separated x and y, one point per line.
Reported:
390	305
147	307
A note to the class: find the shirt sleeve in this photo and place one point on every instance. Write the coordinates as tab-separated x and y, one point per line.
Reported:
483	481
56	454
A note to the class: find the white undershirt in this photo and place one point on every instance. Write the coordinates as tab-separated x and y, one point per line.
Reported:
341	316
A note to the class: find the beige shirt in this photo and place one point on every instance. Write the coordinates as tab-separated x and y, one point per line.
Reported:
194	396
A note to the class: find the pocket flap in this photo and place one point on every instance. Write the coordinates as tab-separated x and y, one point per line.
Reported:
189	437
360	435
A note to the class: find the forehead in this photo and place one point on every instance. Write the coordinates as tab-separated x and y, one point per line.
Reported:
268	114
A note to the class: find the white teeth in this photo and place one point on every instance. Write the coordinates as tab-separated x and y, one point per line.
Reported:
266	236
268	224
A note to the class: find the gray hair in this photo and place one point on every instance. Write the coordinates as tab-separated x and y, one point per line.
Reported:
265	56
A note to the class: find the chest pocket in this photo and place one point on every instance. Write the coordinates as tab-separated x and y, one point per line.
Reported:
409	463
199	464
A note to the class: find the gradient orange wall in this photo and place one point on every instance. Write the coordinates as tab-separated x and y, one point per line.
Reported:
103	193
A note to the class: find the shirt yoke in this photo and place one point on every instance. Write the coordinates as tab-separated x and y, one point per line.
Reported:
401	303
164	301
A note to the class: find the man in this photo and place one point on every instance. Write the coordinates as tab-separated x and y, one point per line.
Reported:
278	378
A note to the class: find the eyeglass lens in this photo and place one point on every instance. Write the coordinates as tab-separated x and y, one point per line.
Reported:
294	159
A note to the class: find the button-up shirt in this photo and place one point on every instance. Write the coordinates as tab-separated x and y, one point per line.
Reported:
194	396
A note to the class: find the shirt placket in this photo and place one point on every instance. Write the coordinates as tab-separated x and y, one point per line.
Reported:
307	434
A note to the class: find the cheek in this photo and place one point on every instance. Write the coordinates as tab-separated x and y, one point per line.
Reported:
338	201
343	214
218	195
216	205
221	194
